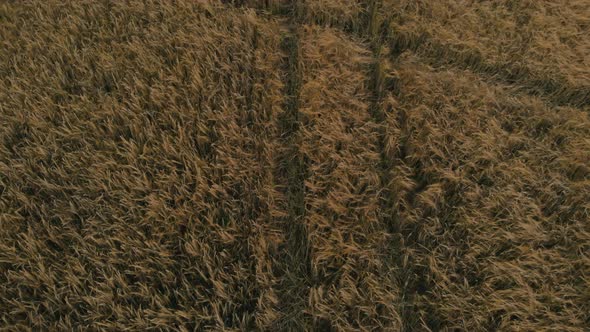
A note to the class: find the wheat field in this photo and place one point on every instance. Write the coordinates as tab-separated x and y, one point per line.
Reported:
295	165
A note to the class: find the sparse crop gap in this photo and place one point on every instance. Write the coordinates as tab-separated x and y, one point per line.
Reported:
293	269
391	127
372	18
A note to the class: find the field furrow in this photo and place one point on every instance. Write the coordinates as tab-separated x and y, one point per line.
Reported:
293	262
351	278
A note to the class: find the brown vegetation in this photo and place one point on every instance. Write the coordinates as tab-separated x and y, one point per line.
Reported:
295	165
541	46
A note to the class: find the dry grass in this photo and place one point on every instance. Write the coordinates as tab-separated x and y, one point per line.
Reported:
294	165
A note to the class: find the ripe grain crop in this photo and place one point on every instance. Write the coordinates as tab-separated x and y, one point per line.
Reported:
137	166
491	203
540	46
283	165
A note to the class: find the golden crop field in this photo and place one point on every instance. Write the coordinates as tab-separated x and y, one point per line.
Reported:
295	165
